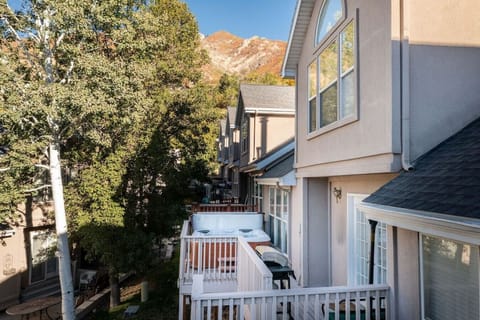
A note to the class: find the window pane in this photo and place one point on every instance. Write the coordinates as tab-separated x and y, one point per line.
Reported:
313	114
312	79
328	65
277	233
37	272
52	265
279	203
283	244
331	13
271	229
285	205
347	47
347	106
450	279
328	105
271	193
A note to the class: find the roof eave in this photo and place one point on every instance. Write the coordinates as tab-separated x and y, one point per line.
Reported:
269	111
299	26
458	228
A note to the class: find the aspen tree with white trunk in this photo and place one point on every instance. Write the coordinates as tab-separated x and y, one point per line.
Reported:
84	85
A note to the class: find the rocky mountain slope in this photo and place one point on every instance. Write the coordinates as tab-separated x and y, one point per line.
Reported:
234	55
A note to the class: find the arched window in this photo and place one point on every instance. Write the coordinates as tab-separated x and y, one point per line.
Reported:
331	74
332	12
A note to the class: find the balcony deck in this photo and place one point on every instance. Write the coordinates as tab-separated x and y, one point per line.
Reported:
225	273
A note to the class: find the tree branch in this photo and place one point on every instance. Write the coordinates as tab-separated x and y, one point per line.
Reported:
39	188
4	169
42	166
68	74
19	39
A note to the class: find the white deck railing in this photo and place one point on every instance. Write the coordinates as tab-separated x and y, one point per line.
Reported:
214	257
365	303
253	274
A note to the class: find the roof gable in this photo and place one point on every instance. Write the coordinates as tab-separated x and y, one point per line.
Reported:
267	99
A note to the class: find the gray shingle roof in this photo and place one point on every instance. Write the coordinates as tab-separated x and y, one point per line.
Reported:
281	168
445	180
261	97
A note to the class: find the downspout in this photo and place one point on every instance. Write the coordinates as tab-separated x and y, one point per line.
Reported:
373	227
405	89
254	135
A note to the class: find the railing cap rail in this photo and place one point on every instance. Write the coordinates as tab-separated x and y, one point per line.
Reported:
293	292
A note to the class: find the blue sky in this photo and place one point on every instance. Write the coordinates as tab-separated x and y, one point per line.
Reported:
245	18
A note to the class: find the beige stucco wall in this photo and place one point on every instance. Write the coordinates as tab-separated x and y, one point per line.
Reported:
364	184
450	22
14	256
13	262
443	67
404	272
374	133
266	132
419	56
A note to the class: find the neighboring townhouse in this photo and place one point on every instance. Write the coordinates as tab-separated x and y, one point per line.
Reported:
222	150
265	118
274	179
233	141
379	84
28	268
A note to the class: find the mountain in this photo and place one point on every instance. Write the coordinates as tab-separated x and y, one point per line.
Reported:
234	55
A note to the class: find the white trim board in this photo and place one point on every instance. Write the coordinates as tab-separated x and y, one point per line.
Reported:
441	225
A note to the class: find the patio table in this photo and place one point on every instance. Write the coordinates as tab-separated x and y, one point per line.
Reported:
28	308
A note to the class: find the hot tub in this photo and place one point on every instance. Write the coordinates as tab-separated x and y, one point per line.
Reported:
213	245
253	236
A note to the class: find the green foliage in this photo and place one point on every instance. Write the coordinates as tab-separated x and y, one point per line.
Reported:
227	91
116	84
267	79
179	151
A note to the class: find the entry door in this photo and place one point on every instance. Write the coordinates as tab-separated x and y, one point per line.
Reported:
43	262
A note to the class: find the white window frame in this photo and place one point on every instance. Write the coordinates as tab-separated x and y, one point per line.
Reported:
258	196
281	217
380	269
421	255
50	241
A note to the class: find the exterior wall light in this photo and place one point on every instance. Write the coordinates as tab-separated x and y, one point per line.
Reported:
337	192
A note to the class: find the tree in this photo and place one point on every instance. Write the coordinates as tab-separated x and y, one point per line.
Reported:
172	133
227	90
267	78
76	79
